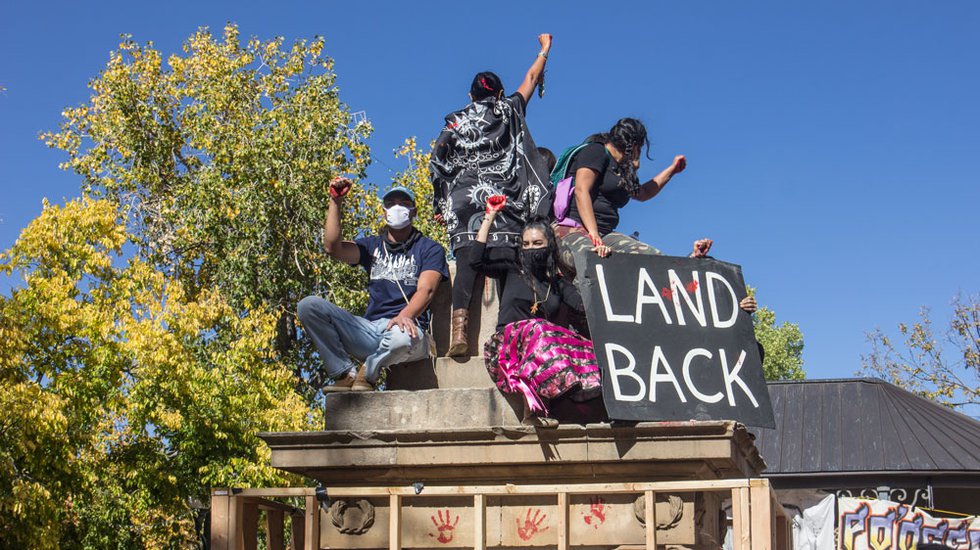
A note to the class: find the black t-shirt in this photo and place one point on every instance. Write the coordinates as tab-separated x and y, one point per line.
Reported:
607	196
518	297
387	271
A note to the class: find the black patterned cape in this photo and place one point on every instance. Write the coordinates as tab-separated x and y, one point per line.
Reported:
486	149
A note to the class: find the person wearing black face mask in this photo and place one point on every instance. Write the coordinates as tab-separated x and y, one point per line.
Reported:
535	262
532	353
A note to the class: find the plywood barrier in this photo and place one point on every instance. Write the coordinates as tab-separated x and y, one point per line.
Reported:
597	515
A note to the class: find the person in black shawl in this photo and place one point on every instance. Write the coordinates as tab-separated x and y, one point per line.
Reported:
485	149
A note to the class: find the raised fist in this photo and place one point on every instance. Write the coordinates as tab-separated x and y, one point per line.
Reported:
545	40
701	248
339	187
680	163
496	203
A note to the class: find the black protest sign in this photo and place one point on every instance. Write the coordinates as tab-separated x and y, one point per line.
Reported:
672	342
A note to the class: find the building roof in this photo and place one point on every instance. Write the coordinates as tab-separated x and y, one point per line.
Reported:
864	425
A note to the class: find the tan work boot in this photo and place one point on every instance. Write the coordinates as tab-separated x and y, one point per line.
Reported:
360	382
458	345
343	383
350	383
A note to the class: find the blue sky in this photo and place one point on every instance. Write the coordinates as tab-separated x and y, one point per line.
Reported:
833	147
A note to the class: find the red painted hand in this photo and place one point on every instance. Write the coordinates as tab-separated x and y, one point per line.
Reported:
339	187
701	248
597	512
446	530
532	526
496	203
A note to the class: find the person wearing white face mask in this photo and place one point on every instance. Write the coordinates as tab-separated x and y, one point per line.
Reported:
404	269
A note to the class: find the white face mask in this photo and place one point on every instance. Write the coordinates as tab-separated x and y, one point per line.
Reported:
398	217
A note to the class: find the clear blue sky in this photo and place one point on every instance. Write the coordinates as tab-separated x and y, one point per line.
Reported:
833	147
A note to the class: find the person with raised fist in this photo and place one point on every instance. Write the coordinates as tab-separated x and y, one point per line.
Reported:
605	180
533	353
486	149
404	269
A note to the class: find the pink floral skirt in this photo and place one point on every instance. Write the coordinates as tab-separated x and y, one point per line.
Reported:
539	360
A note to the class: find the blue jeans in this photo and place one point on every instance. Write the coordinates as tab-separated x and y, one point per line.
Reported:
339	334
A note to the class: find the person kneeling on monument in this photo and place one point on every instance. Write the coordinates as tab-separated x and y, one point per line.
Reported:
404	269
605	180
531	353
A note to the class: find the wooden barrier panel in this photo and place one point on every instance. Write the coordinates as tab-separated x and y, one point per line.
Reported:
274	529
395	523
563	521
312	524
479	522
760	503
650	512
758	521
220	529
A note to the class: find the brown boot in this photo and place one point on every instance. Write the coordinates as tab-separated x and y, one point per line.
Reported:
458	345
360	382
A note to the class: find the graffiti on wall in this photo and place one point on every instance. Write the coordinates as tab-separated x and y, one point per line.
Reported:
882	524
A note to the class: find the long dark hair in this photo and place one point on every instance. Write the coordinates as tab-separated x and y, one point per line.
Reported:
551	273
486	84
629	135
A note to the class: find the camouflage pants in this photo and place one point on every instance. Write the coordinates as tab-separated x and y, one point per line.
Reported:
574	246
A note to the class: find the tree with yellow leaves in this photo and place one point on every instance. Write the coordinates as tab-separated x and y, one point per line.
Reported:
944	368
134	378
219	159
124	396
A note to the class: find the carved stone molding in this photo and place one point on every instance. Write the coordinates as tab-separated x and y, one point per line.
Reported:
669	520
352	517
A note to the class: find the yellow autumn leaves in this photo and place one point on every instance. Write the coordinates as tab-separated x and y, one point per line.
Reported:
152	333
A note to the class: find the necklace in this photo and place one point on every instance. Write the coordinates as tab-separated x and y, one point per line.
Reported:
534	306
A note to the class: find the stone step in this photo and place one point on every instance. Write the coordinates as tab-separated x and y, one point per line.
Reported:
431	409
437	409
446	373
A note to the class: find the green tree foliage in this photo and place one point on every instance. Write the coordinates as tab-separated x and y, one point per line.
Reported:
783	344
124	396
943	368
219	159
134	381
416	177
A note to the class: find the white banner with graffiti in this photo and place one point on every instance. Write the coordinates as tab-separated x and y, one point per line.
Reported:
881	524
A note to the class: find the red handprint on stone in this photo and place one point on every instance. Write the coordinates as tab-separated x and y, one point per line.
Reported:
667	293
692	286
597	512
446	529
532	526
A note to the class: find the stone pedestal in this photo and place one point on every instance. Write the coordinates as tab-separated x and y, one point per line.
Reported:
444	425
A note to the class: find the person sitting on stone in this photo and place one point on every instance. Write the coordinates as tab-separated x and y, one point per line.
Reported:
532	354
404	269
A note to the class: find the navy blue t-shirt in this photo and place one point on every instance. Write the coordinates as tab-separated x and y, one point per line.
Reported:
385	300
